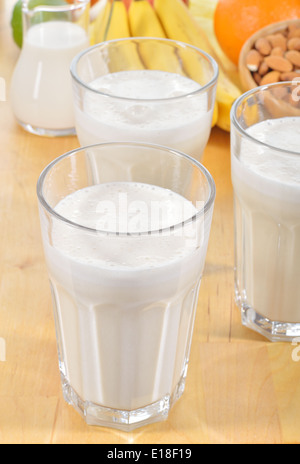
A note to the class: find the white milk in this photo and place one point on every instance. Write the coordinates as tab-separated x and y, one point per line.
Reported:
125	306
41	88
267	187
147	111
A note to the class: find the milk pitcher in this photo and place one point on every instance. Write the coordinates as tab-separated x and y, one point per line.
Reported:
41	86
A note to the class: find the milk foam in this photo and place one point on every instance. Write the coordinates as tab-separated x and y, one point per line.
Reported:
283	134
142	88
271	172
145	84
126	208
145	105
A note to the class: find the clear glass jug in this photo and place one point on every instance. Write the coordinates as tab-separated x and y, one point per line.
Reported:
41	87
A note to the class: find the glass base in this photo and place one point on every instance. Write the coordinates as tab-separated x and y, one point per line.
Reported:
95	414
273	330
47	132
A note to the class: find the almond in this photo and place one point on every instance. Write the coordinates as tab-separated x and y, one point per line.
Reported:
276	57
290	76
293	56
253	60
277	51
277	40
263	68
294	43
257	78
263	46
293	31
280	92
270	78
279	63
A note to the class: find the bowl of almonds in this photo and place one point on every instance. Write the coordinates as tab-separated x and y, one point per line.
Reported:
271	55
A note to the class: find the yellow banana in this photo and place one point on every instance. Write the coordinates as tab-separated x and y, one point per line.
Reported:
101	22
96	20
124	56
227	93
203	8
113	23
179	24
215	115
143	21
203	11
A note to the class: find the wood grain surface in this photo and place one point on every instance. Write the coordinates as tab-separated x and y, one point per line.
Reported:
240	387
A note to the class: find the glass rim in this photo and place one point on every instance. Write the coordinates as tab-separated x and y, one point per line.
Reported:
208	204
243	132
78	4
202	89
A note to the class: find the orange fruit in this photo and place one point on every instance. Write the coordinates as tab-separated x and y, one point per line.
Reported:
235	20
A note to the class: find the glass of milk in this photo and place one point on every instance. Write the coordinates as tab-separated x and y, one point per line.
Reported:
125	228
265	157
41	86
145	89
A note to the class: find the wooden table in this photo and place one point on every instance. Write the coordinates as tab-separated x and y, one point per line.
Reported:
240	387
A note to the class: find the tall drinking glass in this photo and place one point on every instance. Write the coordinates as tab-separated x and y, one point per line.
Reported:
266	180
41	87
125	247
145	89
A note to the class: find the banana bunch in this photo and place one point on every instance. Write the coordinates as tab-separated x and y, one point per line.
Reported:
171	19
179	24
109	22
